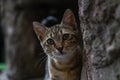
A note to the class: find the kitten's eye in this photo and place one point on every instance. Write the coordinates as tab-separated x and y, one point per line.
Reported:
66	36
50	41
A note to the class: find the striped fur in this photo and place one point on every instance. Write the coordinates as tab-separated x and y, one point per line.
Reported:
64	58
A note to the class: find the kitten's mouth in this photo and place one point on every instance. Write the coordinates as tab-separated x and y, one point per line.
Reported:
59	55
61	52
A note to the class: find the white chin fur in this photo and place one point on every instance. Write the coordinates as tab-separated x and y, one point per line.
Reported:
61	57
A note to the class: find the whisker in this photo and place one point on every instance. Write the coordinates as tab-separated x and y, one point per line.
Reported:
39	65
41	61
41	54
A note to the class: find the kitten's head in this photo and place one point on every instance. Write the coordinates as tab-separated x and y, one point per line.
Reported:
59	41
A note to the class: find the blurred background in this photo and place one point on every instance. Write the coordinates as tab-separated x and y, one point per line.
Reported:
19	47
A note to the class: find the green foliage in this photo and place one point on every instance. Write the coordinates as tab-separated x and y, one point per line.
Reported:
2	66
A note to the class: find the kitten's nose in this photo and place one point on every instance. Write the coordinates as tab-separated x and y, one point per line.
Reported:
59	47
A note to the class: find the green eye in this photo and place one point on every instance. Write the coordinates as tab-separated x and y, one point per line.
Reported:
66	36
50	41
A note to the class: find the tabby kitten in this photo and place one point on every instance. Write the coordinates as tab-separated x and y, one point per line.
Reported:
60	44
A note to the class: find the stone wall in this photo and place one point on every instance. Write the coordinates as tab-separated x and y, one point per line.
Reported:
100	25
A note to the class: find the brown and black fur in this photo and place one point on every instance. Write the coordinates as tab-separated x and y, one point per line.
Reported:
61	46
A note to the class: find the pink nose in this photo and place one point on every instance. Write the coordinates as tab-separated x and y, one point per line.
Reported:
60	49
59	46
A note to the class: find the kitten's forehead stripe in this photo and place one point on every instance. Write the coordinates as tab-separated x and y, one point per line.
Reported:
51	35
57	31
54	31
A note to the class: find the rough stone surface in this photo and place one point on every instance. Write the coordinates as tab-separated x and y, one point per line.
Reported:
100	25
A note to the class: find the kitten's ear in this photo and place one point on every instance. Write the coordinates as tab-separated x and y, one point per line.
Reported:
39	29
69	19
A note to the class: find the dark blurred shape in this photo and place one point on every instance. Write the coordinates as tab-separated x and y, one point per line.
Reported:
21	43
1	46
50	21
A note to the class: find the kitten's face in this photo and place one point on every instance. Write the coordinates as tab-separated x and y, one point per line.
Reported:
59	41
